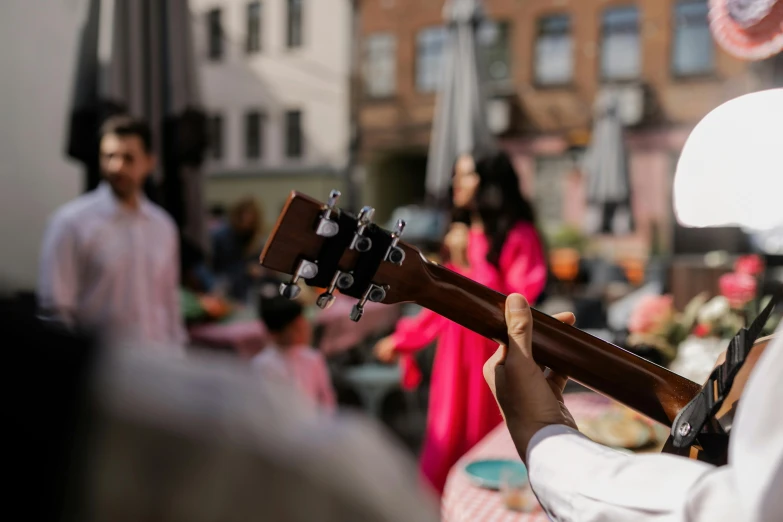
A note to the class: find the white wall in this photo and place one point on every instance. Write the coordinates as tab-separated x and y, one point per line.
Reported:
313	78
38	45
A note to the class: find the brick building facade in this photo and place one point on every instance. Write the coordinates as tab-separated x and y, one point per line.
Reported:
548	60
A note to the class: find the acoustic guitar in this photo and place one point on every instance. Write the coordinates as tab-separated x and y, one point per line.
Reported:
324	247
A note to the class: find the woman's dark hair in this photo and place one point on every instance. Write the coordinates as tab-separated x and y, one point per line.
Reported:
252	237
498	201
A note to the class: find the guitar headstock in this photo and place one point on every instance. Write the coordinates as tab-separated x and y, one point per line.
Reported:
326	247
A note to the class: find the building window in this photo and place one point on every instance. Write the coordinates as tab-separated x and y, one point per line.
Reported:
293	134
694	52
253	43
430	44
620	52
294	23
494	39
254	135
215	34
216	136
380	65
554	58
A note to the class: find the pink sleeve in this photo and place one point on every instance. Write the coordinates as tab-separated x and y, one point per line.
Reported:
523	263
327	396
415	333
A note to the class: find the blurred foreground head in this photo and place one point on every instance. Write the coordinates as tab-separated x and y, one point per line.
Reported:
730	172
119	435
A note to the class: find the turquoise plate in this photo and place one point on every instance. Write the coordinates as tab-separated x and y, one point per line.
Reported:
487	473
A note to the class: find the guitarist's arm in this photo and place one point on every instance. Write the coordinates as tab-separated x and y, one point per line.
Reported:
577	479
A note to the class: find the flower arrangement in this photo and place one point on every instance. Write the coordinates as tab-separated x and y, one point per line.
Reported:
717	319
740	290
656	324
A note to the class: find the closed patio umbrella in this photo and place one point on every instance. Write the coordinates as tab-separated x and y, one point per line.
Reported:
459	125
606	168
150	72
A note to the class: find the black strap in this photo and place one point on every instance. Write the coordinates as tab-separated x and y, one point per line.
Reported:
692	419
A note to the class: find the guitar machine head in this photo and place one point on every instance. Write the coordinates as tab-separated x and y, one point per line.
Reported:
326	247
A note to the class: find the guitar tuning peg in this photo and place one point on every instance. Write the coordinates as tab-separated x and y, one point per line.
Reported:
304	270
325	300
290	290
341	280
395	254
362	243
356	313
334	195
374	293
328	227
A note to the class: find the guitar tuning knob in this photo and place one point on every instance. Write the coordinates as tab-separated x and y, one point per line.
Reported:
325	300
305	270
374	293
362	243
290	290
341	280
356	313
328	227
395	254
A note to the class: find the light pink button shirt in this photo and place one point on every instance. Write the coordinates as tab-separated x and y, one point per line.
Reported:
106	266
302	367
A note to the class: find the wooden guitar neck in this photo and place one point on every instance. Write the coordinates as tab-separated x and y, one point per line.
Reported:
608	369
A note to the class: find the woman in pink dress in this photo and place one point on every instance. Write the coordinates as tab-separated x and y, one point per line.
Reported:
492	240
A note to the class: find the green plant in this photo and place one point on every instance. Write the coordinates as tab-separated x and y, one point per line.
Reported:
568	236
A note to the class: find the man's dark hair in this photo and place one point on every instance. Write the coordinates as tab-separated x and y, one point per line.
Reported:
125	125
276	311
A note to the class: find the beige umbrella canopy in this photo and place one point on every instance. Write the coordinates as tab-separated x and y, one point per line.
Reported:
606	168
459	125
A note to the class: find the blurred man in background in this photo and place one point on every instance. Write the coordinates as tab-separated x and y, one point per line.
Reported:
110	258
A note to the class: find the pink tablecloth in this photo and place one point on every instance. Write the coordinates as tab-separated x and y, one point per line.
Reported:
340	333
244	337
248	336
464	502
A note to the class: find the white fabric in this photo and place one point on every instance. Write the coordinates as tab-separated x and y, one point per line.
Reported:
576	479
735	155
104	266
301	366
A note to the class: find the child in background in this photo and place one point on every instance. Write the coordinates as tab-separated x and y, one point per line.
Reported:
289	356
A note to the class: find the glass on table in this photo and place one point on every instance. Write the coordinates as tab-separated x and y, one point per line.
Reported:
515	490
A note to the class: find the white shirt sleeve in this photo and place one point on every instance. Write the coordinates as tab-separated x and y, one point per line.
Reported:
178	335
576	479
58	274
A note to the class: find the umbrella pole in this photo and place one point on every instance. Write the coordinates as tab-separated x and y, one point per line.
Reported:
354	137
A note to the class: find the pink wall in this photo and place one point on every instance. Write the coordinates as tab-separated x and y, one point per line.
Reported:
652	154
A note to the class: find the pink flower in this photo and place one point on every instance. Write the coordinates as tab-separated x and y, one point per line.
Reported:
651	314
738	287
750	264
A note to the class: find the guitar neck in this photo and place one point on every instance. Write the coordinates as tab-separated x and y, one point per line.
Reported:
601	366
